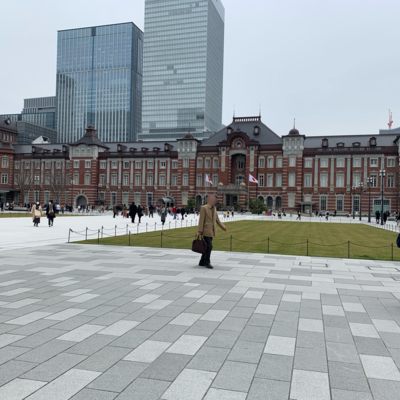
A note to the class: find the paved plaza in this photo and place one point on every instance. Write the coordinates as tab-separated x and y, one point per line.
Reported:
102	322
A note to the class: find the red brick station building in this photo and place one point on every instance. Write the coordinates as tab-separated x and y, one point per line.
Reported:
314	173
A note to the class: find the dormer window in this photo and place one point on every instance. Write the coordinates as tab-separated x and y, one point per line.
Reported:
144	149
256	130
132	149
324	142
340	144
229	130
356	144
166	147
119	148
372	141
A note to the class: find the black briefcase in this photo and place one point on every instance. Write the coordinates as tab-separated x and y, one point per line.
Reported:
199	245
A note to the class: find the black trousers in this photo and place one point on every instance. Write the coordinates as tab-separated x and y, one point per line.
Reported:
205	258
133	218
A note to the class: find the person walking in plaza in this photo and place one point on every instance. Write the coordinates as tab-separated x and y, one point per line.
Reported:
124	211
36	212
133	212
183	212
377	216
115	211
298	216
174	211
163	214
140	213
50	213
208	228
385	217
151	209
327	216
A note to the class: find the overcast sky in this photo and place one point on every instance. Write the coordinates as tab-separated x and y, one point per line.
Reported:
331	64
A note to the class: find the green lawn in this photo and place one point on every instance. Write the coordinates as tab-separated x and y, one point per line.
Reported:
324	240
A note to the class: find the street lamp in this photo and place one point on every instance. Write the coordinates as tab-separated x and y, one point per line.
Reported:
382	173
72	193
37	179
354	193
369	181
361	189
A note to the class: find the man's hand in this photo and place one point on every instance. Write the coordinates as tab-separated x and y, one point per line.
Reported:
225	229
200	233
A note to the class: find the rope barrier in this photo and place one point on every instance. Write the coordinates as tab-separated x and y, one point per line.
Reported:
369	247
328	245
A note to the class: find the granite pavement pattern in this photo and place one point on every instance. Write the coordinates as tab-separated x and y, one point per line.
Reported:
101	322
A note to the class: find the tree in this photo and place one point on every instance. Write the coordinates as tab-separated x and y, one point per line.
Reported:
191	203
256	205
59	183
24	184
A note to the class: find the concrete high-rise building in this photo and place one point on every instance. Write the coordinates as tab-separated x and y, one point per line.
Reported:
40	111
182	68
99	82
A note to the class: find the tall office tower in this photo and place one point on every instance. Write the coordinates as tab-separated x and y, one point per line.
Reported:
99	82
40	111
182	68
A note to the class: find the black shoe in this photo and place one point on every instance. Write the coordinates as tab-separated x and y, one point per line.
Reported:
209	266
201	264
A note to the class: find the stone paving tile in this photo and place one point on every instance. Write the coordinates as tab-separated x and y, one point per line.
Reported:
190	384
347	377
118	377
19	389
54	367
110	328
309	385
235	376
65	386
144	389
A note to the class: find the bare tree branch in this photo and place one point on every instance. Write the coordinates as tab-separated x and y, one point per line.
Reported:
24	183
59	183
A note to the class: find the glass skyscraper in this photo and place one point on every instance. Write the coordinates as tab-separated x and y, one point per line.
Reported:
182	68
99	82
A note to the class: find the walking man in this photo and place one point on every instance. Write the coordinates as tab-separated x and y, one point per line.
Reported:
377	216
132	212
208	228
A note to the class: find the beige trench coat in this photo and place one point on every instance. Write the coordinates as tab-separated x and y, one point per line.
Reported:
209	220
33	209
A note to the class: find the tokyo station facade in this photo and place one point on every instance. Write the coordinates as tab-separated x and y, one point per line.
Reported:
294	171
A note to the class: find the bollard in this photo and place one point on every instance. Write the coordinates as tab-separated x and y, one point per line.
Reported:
161	238
115	229
138	228
155	227
126	228
98	236
102	231
146	227
69	234
129	238
86	233
169	225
